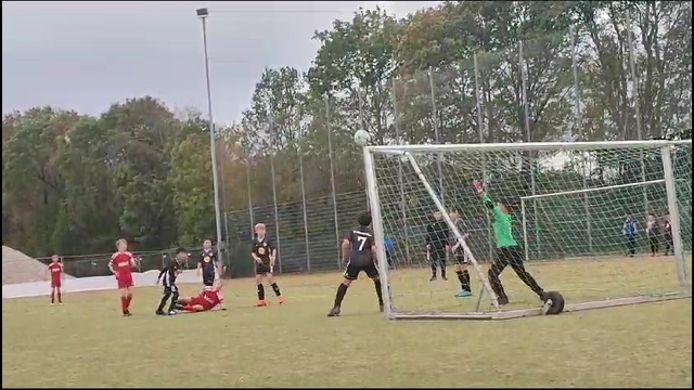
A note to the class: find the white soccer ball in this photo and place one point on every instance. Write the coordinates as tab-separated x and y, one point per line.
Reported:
362	137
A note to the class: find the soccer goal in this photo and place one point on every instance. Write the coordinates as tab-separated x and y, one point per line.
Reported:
568	205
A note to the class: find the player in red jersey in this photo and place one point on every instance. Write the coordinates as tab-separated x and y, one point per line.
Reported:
55	269
121	265
210	299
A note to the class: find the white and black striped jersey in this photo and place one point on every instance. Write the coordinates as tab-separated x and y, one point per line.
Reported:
169	273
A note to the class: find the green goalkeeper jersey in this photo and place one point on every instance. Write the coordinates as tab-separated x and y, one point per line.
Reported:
503	233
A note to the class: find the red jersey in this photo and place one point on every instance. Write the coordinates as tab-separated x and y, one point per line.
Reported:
208	299
121	263
56	270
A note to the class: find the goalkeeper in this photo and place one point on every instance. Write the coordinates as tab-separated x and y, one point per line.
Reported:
507	251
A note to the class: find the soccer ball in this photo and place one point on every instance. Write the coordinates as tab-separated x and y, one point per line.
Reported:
362	137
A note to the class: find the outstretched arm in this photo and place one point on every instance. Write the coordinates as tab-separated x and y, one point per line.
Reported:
488	202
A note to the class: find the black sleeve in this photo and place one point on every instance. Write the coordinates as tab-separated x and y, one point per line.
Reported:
270	245
430	232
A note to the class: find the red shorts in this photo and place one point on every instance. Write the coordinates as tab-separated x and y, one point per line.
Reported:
125	281
197	301
56	283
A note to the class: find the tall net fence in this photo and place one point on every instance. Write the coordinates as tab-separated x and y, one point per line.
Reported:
300	172
586	233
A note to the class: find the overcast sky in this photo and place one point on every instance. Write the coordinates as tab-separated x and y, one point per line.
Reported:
87	55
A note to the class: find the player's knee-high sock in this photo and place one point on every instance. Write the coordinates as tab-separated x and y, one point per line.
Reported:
124	303
53	296
341	291
433	269
162	303
128	299
276	289
60	296
261	292
464	279
443	269
379	293
172	306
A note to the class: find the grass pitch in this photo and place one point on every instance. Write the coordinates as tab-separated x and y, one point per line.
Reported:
85	342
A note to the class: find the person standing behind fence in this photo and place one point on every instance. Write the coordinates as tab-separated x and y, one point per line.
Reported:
629	231
653	233
667	235
437	244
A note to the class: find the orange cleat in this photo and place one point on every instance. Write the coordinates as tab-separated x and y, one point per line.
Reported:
280	300
261	303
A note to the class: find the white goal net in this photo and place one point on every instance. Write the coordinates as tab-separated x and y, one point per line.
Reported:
604	224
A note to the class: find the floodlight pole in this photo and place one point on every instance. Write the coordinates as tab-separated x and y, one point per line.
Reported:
202	14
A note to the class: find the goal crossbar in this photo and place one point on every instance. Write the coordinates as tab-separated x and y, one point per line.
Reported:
524	146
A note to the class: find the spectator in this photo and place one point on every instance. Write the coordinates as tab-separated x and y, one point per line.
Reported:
388	243
667	232
653	233
629	231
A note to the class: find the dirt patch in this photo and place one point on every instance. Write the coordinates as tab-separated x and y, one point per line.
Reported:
20	268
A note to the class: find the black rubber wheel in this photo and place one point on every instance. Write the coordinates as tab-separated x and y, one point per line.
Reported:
557	299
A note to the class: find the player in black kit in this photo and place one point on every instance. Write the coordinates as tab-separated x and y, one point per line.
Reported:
438	234
170	272
264	254
359	251
207	265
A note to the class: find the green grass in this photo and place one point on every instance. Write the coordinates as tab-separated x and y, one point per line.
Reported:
85	342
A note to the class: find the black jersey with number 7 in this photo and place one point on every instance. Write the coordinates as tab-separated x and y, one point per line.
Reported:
361	240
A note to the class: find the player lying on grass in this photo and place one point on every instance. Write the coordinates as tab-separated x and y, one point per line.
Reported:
210	299
359	251
460	255
121	266
264	255
55	269
507	251
170	272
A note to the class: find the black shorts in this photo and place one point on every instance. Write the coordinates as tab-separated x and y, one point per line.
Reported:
437	254
460	259
262	269
173	289
353	270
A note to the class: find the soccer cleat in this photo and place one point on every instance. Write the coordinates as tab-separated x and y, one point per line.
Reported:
433	278
334	312
502	300
444	277
127	313
261	303
172	313
159	312
280	300
463	294
380	308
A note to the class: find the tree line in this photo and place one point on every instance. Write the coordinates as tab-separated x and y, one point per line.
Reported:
72	183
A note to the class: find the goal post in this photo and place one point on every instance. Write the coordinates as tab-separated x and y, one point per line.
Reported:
568	223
